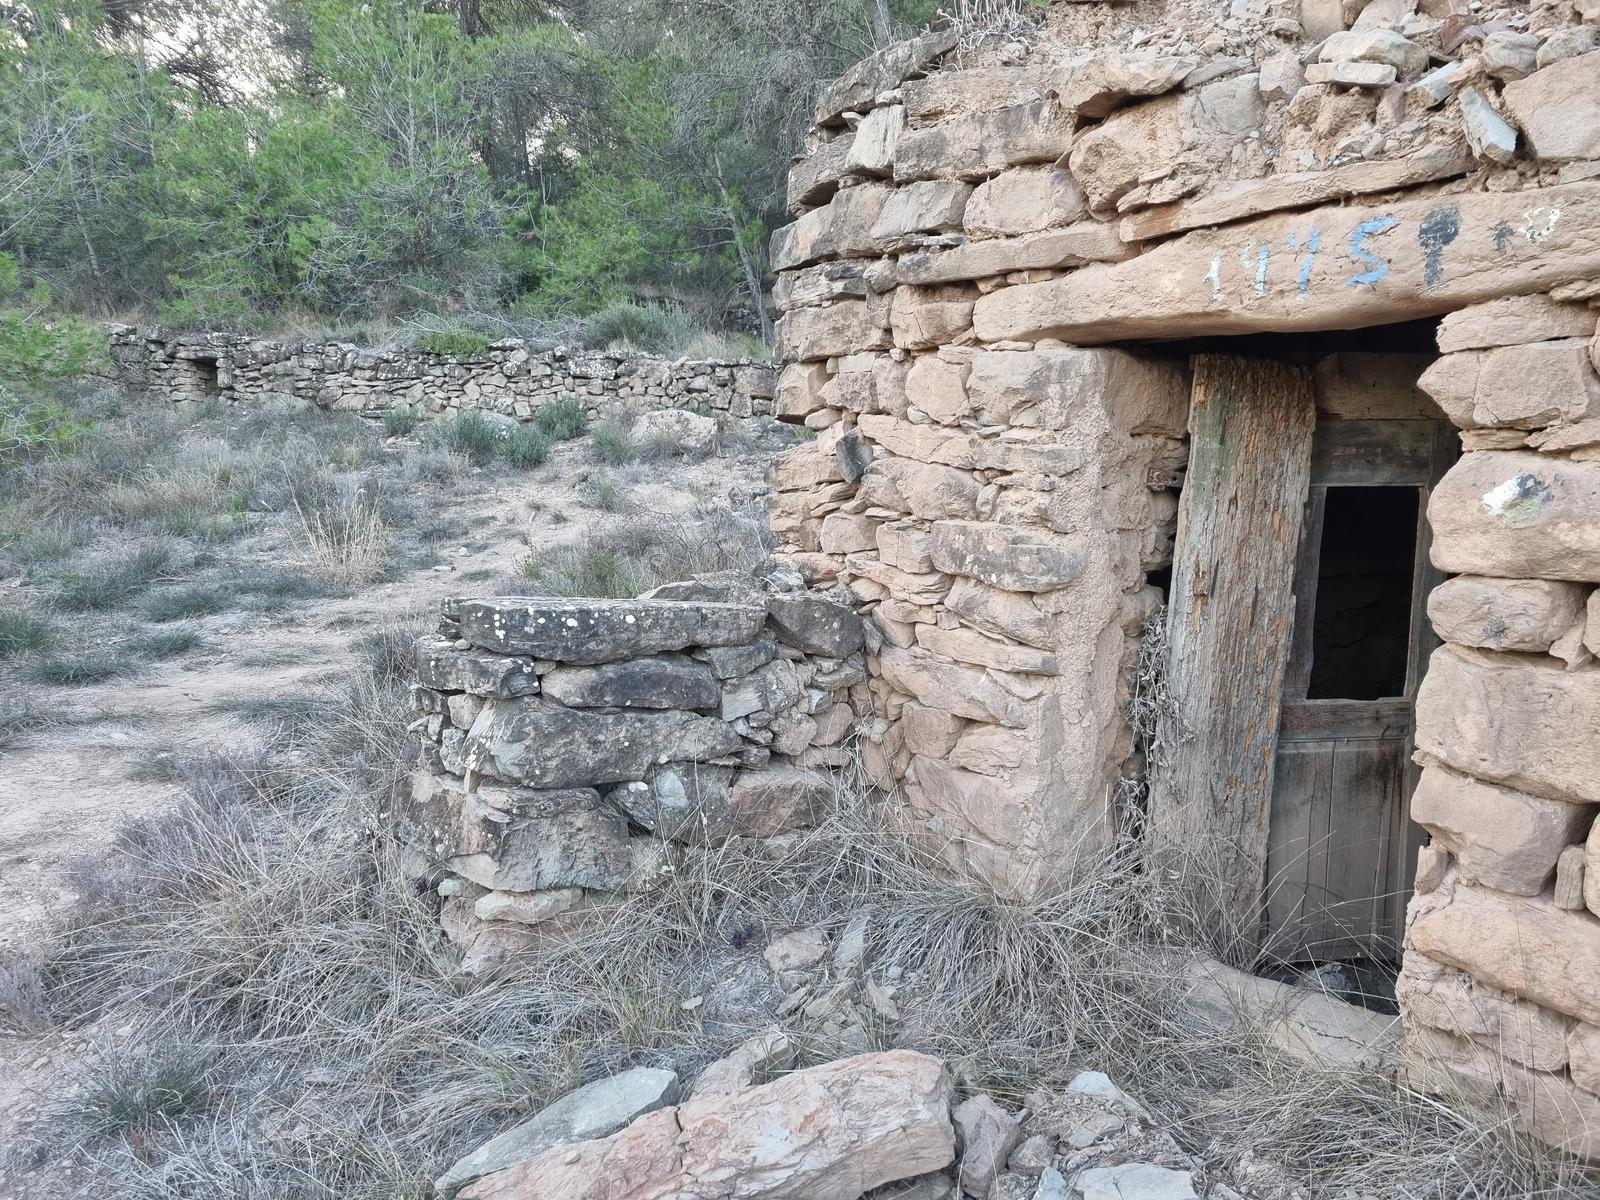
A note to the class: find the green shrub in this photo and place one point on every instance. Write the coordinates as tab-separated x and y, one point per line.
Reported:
614	441
641	327
526	446
21	633
400	422
35	426
592	569
471	435
454	343
562	419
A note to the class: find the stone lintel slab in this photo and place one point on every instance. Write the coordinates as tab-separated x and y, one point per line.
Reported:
1335	267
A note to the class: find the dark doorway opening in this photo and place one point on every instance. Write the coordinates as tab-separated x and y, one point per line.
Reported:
1362	629
204	377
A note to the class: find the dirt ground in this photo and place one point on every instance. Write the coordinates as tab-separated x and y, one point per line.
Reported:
66	789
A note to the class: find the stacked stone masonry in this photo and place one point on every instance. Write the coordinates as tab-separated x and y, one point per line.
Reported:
509	377
994	482
572	746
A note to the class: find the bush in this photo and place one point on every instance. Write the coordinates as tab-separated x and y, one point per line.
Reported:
21	633
614	441
33	427
650	328
471	435
526	446
400	422
453	343
562	419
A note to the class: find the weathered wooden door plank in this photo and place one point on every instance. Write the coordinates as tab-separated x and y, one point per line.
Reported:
1230	621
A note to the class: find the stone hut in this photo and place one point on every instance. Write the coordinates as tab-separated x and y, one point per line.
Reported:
1239	361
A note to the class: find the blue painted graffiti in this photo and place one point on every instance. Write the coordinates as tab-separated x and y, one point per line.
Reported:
1311	245
1377	269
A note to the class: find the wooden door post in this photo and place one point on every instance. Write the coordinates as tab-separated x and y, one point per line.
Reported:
1230	621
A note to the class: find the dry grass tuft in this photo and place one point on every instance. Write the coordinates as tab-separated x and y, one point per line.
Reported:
345	538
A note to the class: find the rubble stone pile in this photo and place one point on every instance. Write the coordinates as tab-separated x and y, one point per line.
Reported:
509	377
974	223
572	746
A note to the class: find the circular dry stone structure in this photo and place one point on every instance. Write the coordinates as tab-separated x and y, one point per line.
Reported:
1235	310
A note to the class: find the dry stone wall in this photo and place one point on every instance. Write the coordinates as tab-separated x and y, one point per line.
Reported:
509	377
993	482
570	747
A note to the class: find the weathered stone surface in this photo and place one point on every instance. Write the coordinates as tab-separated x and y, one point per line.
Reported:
845	327
1352	74
841	228
1519	515
1102	82
821	284
1505	614
799	392
586	632
1251	197
1005	613
1516	387
1514	321
1502	838
974	145
1024	200
767	689
924	490
667	681
827	1133
755	1060
1197	283
1016	558
938	387
1526	946
1059	388
1571	869
962	691
593	1111
520	839
845	533
815	177
527	908
872	148
1559	108
1440	997
987	1135
729	662
779	797
968	646
928	206
682	802
1527	723
1085	242
439	665
1144	1180
1110	159
887	69
815	624
535	742
1489	135
948	91
1375	46
923	317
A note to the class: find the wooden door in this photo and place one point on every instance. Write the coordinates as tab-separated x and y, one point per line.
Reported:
1340	844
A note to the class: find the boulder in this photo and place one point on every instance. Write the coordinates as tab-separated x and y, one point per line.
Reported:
1526	723
1144	1180
535	742
1024	200
1558	107
831	1132
440	665
1502	838
527	908
1505	614
677	431
814	624
753	1061
977	145
584	632
928	206
1518	515
777	798
592	1111
682	802
987	1134
665	681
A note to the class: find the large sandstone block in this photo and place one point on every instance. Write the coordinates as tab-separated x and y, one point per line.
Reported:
860	86
1502	838
979	650
872	148
824	283
928	206
924	317
1505	614
1012	557
799	390
667	681
948	92
584	632
958	690
843	327
1513	321
1558	108
1440	997
1334	267
1084	242
1518	514
1056	388
777	798
1526	946
534	742
440	665
1025	200
841	228
1516	387
815	176
1523	722
814	624
925	490
1109	160
975	145
832	1132
1034	619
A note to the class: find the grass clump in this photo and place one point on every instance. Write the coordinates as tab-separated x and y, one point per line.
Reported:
614	441
525	446
110	580
132	1093
160	644
471	435
22	633
400	422
563	419
185	602
75	670
345	538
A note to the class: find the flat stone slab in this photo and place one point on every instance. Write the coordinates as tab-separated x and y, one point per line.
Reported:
585	632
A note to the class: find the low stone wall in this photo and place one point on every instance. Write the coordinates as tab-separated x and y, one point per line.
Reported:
1501	981
571	745
508	378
